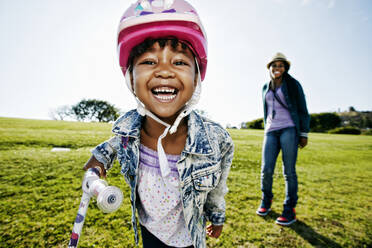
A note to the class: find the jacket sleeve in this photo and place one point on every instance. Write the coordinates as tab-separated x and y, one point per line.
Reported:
264	90
106	152
215	204
303	114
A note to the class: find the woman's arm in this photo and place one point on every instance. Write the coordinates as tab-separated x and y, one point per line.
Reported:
303	114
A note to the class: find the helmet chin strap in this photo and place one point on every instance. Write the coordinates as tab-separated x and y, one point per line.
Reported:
141	109
189	105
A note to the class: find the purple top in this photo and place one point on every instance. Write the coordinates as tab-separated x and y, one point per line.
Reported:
160	211
278	117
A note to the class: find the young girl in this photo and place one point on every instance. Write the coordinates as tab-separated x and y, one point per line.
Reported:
175	161
286	126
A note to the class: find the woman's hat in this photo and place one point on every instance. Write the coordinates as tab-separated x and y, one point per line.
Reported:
279	57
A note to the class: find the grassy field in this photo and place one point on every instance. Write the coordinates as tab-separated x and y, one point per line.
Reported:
40	190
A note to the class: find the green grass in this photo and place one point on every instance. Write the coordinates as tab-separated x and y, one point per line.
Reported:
40	190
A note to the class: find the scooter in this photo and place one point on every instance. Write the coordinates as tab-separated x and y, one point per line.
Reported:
109	199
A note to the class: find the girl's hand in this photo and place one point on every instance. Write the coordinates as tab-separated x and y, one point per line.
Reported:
93	162
303	142
214	231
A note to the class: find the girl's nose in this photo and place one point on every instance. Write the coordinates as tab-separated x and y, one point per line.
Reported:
164	72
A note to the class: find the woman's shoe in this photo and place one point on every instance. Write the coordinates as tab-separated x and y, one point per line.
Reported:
287	218
264	208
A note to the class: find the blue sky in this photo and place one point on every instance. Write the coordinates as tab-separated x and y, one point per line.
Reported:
56	53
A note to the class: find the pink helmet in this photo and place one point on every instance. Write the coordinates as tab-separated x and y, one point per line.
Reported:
159	19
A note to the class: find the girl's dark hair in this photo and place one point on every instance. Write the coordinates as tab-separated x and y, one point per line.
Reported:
148	43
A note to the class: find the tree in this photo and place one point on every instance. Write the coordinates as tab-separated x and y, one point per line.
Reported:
368	122
352	109
95	110
324	121
256	124
243	125
61	113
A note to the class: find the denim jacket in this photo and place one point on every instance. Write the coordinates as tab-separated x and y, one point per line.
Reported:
203	168
295	99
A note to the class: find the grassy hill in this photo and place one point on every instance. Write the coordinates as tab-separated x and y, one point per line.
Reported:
40	190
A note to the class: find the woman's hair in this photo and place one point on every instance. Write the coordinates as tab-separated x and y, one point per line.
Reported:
286	66
148	43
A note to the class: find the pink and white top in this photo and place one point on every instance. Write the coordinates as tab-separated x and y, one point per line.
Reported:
160	210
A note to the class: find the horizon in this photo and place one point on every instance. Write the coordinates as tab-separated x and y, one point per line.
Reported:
228	125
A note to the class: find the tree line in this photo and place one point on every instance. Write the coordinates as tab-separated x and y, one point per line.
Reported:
348	122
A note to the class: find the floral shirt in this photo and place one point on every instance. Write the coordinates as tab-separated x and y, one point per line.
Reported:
160	210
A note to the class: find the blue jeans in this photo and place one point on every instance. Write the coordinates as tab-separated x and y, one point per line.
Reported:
285	139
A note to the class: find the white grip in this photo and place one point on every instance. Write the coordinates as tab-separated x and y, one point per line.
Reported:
109	199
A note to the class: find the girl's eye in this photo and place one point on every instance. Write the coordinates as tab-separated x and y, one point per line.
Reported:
147	62
180	63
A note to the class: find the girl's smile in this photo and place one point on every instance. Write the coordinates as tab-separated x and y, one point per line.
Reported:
164	79
165	94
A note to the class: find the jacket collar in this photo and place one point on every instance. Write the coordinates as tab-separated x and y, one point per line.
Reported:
198	138
197	142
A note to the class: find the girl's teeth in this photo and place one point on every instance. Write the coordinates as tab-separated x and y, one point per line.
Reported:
164	94
164	90
165	98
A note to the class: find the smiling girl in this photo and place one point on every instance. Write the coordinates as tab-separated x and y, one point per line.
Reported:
175	161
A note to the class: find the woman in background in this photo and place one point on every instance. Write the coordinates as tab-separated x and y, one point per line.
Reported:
286	126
